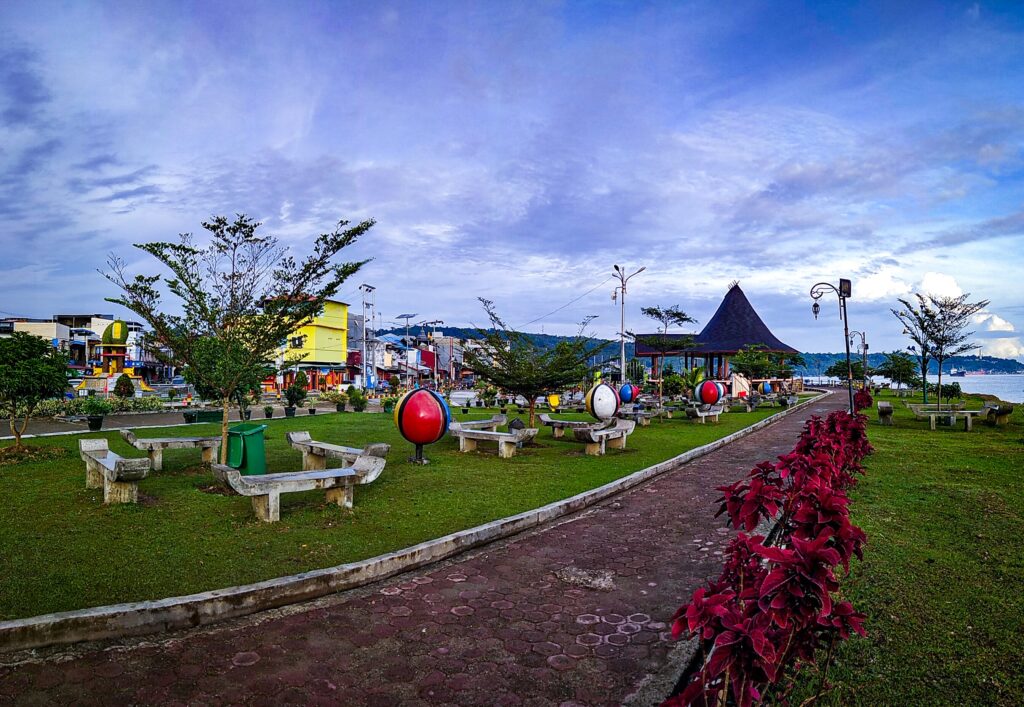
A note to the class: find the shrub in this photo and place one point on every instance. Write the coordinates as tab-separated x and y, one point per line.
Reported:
93	405
172	393
295	394
334	396
356	397
124	388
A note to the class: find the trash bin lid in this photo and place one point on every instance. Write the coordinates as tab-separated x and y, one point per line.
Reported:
246	429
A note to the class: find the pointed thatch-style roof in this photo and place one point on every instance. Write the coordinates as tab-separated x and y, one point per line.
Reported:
732	327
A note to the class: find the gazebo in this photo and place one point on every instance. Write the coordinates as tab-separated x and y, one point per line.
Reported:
734	325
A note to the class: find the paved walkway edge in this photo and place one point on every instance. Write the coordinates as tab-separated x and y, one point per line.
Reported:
175	613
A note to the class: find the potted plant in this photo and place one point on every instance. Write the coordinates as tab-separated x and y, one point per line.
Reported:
465	406
94	409
337	397
268	410
172	393
388	404
356	397
294	396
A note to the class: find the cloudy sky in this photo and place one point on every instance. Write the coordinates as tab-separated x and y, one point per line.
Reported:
518	150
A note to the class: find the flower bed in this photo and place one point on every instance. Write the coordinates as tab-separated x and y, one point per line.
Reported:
777	603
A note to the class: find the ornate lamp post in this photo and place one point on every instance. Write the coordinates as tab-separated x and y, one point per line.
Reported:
864	353
843	291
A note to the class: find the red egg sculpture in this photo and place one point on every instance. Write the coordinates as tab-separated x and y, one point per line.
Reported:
422	417
708	393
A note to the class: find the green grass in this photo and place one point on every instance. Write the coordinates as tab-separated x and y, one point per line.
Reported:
942	580
61	548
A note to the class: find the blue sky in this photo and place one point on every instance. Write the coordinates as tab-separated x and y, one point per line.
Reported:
517	150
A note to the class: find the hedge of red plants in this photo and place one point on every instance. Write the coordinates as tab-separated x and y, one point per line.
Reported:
776	607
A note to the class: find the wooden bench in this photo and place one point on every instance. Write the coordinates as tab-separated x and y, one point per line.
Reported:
489	425
597	440
266	490
703	412
315	454
997	414
155	446
558	427
118	476
507	441
885	412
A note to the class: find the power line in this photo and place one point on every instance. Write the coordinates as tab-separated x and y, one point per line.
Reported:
572	301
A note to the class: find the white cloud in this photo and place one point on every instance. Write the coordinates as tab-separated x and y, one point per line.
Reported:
939	284
1009	347
993	322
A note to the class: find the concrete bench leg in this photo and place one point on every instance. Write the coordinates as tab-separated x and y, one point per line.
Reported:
885	419
931	421
645	422
967	422
1002	420
341	496
467	445
210	455
267	508
93	475
594	449
120	491
557	432
313	462
156	458
506	450
617	442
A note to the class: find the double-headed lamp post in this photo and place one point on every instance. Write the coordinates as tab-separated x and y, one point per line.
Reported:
843	291
863	353
623	279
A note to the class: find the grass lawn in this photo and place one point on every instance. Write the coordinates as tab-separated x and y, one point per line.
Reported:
61	548
942	580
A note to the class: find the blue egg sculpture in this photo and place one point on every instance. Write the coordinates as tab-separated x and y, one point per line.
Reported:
628	392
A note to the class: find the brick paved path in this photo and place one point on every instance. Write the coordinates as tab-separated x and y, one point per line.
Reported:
571	614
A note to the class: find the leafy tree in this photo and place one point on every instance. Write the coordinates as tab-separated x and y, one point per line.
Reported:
915	326
693	378
667	317
31	371
124	388
897	367
838	369
945	320
752	361
674	384
240	297
513	362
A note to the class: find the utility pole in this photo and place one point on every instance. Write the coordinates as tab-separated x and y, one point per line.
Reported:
623	279
367	291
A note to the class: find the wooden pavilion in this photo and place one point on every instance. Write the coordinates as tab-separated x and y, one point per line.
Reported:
734	325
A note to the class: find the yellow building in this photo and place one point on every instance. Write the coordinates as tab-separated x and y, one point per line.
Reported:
323	346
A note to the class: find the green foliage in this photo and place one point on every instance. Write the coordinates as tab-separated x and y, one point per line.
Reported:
31	371
94	405
635	371
395	382
756	361
301	380
838	370
673	385
294	395
124	388
240	297
667	317
334	396
511	361
172	393
693	378
897	367
357	398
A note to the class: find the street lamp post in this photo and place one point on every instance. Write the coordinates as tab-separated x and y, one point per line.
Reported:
864	353
623	279
843	291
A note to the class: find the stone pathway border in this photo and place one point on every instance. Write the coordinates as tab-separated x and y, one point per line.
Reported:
189	611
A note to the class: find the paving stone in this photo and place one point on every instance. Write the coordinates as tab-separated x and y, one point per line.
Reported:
573	614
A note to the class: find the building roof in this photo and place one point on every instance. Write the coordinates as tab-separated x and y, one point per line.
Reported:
734	325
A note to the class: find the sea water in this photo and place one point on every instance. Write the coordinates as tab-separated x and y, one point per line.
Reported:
1007	387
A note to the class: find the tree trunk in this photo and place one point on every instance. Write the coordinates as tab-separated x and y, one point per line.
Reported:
224	431
17	434
533	404
938	389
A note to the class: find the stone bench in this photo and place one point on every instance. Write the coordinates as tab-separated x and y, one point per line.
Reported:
788	400
885	412
155	446
507	441
702	413
118	476
558	427
491	424
640	417
598	440
315	454
997	414
265	491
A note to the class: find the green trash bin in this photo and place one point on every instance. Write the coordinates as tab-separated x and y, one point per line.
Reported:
245	449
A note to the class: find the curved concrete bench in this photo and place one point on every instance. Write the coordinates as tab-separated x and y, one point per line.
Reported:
266	490
598	440
155	446
712	411
507	441
885	412
118	476
315	454
558	427
489	425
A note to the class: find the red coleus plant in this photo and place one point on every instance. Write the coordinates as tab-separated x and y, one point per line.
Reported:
862	399
772	608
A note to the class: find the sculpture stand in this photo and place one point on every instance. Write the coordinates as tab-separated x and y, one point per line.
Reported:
418	458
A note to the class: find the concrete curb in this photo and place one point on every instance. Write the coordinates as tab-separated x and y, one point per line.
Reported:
174	613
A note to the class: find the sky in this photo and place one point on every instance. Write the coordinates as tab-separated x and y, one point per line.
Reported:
517	151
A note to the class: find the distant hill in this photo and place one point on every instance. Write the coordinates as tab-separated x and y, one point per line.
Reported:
818	362
546	341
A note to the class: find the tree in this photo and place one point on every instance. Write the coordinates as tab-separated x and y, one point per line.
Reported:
752	361
945	321
124	388
511	360
897	367
31	371
674	384
667	317
915	324
240	297
838	369
693	378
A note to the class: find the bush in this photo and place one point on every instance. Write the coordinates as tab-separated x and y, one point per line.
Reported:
172	393
95	406
295	394
334	396
124	388
356	397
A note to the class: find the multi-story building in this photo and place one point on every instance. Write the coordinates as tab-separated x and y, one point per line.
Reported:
322	347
